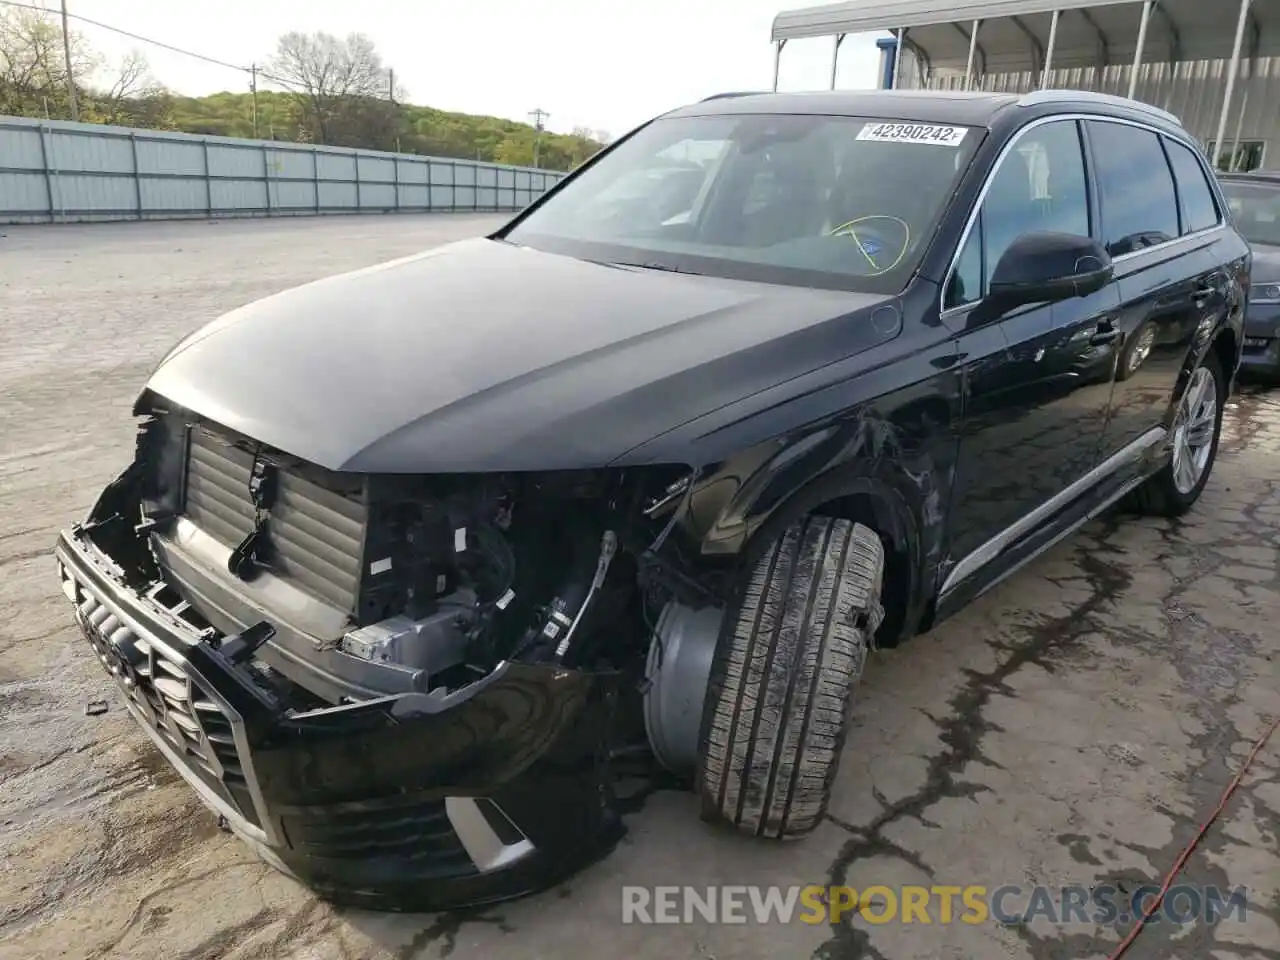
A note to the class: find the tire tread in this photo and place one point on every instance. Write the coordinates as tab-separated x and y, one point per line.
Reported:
782	686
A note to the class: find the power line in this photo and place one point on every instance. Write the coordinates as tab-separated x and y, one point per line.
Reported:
126	33
254	71
136	36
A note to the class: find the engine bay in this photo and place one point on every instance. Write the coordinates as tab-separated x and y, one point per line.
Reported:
526	568
427	581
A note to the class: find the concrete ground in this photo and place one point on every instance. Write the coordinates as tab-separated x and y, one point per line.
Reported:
1073	727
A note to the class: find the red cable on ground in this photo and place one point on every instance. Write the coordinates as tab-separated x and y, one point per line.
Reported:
1154	905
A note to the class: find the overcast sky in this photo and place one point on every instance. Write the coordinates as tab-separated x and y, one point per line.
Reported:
602	64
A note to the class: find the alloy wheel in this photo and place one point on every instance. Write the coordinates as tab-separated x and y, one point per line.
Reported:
1194	429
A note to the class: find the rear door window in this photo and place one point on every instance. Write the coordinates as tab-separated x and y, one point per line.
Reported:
1139	203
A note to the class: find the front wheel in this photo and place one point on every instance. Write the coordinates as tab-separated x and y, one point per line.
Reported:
782	678
1136	353
1197	428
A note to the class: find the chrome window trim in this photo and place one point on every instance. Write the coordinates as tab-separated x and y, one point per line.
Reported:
944	311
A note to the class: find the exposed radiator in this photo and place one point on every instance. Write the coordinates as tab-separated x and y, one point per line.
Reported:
317	535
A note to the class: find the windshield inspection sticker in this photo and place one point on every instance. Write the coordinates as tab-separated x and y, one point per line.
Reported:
930	133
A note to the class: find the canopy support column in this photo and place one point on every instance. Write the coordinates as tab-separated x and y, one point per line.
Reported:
1137	54
1048	51
973	49
777	61
835	58
1235	141
1232	70
897	56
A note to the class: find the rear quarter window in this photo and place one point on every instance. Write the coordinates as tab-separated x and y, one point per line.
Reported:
1199	209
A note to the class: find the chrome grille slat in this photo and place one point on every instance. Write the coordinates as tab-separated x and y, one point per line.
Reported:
317	534
172	689
190	721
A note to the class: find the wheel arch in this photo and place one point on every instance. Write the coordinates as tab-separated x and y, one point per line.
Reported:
1227	347
1223	342
888	501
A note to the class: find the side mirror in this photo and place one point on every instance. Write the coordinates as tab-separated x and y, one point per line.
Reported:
1044	267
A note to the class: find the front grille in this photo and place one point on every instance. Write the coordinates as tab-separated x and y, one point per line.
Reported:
316	534
185	715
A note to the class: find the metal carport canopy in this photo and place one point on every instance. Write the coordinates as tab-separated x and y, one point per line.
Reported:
1014	34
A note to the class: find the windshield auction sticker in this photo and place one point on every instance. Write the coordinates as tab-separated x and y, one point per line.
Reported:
929	133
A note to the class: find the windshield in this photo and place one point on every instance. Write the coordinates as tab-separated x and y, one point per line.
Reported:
1255	207
838	202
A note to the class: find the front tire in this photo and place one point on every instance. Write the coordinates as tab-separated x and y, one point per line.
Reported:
781	688
1197	428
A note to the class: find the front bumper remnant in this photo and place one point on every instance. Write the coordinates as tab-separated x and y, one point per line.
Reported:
408	802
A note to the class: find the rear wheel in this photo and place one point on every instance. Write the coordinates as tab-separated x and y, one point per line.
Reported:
1197	428
782	678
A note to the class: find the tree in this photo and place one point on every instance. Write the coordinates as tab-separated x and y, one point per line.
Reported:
340	85
516	151
33	73
339	93
33	76
133	98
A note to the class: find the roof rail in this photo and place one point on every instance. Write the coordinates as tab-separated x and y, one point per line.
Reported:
733	93
1089	96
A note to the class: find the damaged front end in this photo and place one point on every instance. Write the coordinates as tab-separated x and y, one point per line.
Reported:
406	691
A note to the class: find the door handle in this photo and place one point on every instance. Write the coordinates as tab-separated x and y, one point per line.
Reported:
1106	333
1204	291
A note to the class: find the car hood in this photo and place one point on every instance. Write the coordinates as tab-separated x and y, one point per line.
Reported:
483	356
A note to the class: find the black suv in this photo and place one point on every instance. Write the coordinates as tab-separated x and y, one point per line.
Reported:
1254	201
410	560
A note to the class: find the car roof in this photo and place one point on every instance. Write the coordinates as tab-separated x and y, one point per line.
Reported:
967	108
918	106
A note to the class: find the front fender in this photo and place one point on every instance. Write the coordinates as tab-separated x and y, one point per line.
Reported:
892	473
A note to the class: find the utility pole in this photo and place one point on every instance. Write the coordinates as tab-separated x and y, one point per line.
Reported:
538	115
391	97
253	91
66	52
